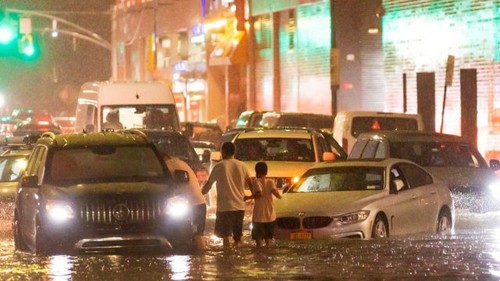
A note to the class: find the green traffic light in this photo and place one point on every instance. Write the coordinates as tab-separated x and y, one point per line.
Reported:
7	34
27	47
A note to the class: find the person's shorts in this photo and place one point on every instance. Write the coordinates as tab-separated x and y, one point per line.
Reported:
199	218
262	230
229	223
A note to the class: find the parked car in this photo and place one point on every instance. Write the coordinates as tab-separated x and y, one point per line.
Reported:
287	152
364	199
201	131
33	131
474	184
99	192
350	124
274	119
250	119
203	149
175	144
12	165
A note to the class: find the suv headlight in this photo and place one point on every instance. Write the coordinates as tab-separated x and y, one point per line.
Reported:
349	218
495	189
177	207
59	211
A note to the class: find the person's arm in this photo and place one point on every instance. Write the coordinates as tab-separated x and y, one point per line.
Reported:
275	190
207	186
256	193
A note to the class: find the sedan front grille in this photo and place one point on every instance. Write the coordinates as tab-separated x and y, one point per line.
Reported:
316	222
112	211
288	223
307	222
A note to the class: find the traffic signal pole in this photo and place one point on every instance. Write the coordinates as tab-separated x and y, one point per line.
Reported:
78	32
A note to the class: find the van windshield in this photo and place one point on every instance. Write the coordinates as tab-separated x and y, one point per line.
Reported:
144	116
370	123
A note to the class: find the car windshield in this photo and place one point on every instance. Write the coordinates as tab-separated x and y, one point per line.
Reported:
154	116
12	167
274	149
105	162
438	154
341	179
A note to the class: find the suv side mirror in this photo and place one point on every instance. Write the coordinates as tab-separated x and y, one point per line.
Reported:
181	176
494	164
29	181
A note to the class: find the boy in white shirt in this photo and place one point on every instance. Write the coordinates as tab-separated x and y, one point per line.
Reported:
264	216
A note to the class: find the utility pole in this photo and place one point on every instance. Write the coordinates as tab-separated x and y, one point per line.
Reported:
334	60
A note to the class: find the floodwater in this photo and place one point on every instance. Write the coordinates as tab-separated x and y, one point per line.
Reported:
472	252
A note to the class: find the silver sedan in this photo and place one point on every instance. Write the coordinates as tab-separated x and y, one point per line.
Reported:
364	199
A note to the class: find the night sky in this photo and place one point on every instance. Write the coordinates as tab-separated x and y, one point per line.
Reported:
64	62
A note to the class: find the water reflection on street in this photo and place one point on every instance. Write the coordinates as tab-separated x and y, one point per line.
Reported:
471	253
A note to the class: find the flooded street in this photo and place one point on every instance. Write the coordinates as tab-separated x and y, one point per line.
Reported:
471	253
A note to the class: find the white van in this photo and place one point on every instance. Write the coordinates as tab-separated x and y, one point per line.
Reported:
349	125
125	105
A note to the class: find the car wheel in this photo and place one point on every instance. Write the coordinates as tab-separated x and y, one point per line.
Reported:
19	243
43	246
380	228
444	222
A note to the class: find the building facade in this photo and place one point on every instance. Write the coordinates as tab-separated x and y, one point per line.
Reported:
162	41
318	56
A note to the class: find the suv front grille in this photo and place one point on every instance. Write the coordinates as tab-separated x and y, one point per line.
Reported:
113	211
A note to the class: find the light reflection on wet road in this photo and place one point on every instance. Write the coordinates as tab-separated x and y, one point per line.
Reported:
471	253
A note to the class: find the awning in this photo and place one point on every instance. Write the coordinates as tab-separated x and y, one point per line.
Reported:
232	49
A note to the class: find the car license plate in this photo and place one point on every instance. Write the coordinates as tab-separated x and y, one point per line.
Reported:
301	235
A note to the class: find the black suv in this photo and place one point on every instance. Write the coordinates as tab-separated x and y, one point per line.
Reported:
99	192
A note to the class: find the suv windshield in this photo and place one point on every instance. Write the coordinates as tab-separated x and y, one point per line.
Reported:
436	154
341	179
105	162
274	149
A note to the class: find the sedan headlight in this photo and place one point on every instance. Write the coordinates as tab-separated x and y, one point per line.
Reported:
177	207
495	189
59	211
354	217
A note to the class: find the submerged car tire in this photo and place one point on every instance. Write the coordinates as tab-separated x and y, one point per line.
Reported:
43	244
380	228
19	243
444	222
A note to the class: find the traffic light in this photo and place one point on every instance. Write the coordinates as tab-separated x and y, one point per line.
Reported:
16	39
9	33
28	47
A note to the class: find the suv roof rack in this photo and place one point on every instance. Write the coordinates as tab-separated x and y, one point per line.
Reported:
135	131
